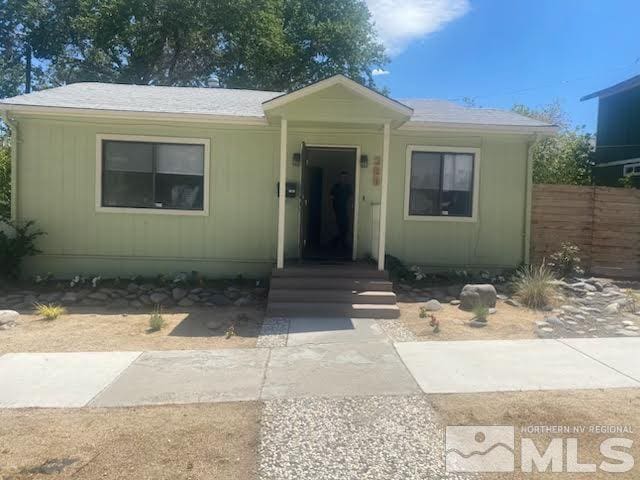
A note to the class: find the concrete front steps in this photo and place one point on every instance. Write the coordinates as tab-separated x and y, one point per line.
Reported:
348	290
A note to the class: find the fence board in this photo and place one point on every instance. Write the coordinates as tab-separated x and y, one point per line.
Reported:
603	221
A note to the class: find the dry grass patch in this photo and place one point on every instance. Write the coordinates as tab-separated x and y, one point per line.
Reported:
95	329
167	442
620	407
507	323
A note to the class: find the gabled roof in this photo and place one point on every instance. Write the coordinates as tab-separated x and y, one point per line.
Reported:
345	82
617	88
248	106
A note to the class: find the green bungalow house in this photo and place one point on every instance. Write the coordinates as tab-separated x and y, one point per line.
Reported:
129	179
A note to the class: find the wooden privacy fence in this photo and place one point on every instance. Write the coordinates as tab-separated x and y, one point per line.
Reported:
604	222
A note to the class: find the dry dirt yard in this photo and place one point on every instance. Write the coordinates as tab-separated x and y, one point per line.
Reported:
99	329
619	407
166	442
507	323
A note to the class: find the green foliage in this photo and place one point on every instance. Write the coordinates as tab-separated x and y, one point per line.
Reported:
156	321
566	158
481	312
5	181
265	44
50	312
397	270
533	285
17	241
566	261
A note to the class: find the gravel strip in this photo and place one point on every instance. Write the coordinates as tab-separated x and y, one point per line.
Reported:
396	331
274	333
363	438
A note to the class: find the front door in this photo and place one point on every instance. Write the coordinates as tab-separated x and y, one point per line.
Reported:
327	197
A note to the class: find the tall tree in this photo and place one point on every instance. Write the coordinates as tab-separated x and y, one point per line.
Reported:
266	44
566	158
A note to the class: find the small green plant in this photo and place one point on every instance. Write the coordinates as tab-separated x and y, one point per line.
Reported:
566	261
17	241
433	321
156	322
632	303
50	312
533	285
626	181
480	313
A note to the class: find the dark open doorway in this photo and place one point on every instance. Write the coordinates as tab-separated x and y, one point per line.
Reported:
327	203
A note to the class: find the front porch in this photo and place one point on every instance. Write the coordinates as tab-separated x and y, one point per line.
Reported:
335	105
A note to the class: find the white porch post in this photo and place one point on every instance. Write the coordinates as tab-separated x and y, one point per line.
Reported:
383	197
282	191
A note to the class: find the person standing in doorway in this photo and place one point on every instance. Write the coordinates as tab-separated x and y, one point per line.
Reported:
340	194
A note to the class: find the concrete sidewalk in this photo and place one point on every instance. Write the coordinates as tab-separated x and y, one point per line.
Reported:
370	366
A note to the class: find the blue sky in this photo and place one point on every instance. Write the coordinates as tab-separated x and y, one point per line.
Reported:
502	52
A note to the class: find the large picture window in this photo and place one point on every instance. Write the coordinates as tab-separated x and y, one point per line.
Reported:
152	175
440	183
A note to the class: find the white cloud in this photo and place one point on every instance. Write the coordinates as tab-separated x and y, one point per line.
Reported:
399	22
380	71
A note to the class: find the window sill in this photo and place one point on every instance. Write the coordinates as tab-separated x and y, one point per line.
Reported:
153	211
440	218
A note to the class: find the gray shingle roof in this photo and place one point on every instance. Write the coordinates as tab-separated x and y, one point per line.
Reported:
143	98
232	102
443	111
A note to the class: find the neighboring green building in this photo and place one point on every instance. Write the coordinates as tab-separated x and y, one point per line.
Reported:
132	179
618	137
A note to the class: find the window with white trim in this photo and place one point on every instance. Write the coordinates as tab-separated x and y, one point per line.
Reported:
440	184
632	169
156	175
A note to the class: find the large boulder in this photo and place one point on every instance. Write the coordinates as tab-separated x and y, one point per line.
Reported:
474	295
8	317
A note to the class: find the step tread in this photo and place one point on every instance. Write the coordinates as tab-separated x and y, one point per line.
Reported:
355	306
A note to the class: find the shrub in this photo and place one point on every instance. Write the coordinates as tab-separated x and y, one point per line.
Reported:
481	313
17	241
5	181
156	322
533	285
50	312
566	261
397	270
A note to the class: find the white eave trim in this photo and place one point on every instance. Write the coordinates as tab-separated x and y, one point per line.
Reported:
134	115
478	128
345	82
617	162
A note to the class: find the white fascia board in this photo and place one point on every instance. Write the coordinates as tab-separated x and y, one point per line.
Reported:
134	115
479	128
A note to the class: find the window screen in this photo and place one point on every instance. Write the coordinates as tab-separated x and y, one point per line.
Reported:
441	184
152	175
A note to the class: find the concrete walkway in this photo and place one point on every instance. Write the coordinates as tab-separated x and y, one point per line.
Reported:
354	359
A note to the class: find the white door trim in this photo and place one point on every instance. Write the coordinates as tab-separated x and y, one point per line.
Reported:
356	194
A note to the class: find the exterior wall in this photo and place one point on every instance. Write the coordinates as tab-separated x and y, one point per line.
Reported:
56	172
56	175
495	240
619	127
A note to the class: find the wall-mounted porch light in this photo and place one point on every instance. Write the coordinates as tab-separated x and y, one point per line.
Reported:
296	160
364	161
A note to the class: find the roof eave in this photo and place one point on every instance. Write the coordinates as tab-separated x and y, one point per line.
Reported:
547	130
133	114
